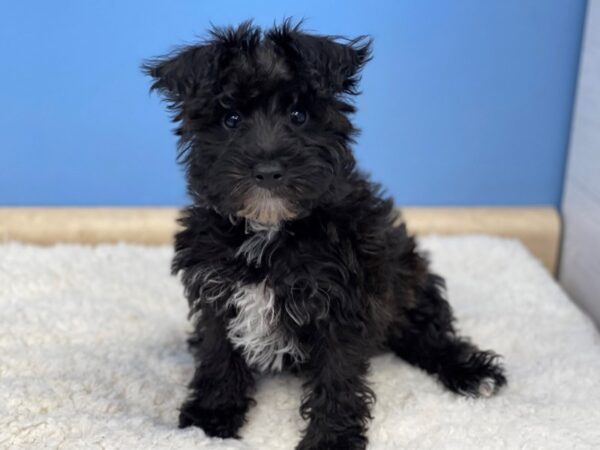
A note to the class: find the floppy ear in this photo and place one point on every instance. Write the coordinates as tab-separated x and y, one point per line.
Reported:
332	64
194	70
184	72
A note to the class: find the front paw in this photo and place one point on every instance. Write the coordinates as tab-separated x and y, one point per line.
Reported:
223	421
349	441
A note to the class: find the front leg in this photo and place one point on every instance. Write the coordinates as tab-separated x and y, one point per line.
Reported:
337	399
219	397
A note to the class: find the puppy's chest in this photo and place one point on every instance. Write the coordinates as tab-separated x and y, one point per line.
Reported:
256	329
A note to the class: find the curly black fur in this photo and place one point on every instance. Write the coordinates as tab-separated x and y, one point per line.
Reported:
313	273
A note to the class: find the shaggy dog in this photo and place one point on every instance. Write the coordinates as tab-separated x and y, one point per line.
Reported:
290	257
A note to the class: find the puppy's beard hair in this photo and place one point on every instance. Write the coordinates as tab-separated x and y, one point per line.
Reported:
261	206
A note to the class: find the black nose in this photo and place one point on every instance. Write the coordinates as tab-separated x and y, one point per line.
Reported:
268	174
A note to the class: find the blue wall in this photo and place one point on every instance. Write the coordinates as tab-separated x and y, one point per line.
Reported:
466	101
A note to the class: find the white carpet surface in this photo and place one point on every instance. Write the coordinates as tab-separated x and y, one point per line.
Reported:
93	355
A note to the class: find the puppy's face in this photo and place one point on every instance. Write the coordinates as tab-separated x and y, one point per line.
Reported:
261	118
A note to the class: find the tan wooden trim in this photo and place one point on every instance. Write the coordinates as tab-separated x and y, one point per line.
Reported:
88	225
538	228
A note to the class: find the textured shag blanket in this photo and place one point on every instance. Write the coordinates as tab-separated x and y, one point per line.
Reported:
93	355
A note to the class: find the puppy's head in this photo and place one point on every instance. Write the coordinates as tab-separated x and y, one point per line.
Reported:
262	118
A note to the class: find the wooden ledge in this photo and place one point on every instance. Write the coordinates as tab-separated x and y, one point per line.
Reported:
538	228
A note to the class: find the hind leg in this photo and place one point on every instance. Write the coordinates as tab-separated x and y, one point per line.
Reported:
426	339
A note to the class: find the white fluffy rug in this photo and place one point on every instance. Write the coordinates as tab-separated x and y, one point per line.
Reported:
93	355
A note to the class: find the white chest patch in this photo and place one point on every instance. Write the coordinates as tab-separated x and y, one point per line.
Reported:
256	329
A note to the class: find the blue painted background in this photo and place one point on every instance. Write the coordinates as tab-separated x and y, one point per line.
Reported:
466	101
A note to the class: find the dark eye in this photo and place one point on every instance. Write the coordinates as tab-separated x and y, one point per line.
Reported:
298	116
232	119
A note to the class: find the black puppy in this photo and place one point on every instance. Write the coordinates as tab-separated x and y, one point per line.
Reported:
290	257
